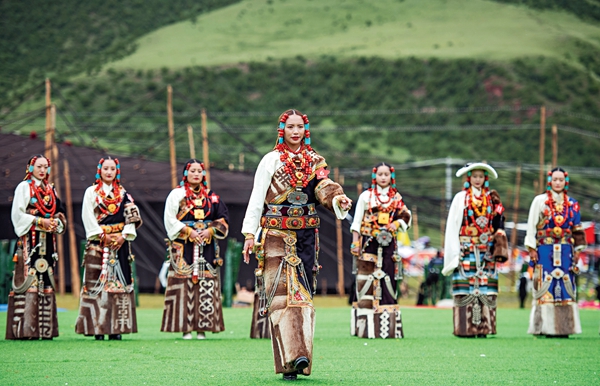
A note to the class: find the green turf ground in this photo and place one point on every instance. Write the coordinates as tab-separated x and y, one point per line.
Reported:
258	30
429	355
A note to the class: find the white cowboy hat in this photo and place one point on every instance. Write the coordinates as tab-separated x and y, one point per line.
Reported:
477	166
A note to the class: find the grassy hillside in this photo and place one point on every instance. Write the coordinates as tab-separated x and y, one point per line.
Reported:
259	30
42	38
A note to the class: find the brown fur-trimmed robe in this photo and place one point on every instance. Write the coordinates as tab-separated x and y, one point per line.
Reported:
31	303
196	306
291	313
109	308
261	327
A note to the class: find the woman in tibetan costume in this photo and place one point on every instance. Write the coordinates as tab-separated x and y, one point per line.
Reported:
282	226
110	219
554	238
475	241
195	219
380	212
37	216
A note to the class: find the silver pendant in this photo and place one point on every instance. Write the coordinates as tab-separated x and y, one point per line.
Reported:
297	198
384	238
482	221
484	237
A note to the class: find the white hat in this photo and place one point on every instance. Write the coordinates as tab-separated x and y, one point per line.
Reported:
477	166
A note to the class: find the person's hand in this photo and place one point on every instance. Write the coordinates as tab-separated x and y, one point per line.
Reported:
392	227
194	236
355	248
49	224
248	247
204	235
533	255
117	243
345	203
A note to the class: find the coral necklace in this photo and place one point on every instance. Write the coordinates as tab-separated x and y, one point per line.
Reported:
558	211
483	210
108	205
299	168
43	198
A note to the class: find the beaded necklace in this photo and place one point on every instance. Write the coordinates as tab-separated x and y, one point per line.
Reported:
42	198
108	205
558	212
299	168
483	211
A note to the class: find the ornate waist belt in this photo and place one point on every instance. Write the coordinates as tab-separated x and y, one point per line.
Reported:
199	225
112	228
553	240
556	232
273	210
368	231
476	241
293	223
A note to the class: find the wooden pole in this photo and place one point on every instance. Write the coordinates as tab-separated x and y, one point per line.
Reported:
554	146
340	246
171	136
242	160
49	133
191	141
513	234
73	257
542	147
205	157
415	223
358	189
55	178
52	152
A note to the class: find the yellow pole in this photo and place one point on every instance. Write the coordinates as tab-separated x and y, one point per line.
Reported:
205	157
171	136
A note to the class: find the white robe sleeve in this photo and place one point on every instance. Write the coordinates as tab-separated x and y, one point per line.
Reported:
129	232
535	211
172	224
339	212
92	228
451	239
403	224
262	181
22	221
362	204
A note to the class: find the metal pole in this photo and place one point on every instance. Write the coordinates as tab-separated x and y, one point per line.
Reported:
448	182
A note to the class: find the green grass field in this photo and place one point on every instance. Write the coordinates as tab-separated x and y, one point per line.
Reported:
429	354
259	30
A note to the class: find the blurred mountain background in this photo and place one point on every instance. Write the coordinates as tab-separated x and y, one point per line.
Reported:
417	83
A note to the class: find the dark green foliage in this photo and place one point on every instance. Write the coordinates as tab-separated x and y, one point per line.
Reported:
364	84
585	9
42	38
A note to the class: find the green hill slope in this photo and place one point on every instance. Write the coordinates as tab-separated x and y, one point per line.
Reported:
44	38
259	30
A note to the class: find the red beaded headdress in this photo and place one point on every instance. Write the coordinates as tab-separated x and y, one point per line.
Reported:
117	179
30	166
558	169
184	180
393	189
283	119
